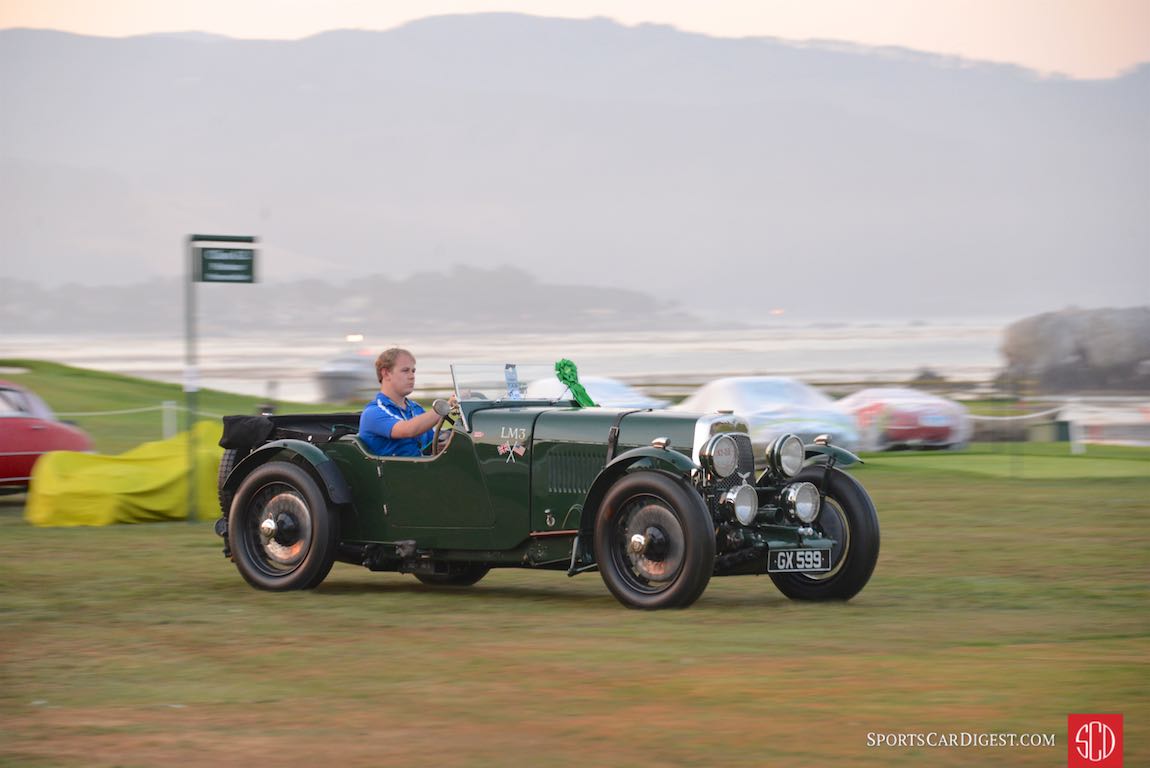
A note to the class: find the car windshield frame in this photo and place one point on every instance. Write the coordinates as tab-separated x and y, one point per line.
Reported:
482	385
497	382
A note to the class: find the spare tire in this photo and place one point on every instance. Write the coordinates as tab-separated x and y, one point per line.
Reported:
228	462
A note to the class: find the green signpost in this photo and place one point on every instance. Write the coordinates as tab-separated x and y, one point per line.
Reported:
210	259
224	265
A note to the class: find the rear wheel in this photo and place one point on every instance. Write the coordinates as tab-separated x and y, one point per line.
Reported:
847	516
280	531
654	541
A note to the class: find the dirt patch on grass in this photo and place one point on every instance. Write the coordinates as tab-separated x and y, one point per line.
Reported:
751	710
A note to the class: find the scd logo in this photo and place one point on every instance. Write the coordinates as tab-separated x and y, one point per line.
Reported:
1094	741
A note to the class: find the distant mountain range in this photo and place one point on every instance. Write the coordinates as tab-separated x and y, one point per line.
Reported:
462	300
710	177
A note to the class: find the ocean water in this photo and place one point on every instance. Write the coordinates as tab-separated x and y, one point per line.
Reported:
285	368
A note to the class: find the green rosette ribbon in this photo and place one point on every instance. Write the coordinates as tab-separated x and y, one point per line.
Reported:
568	375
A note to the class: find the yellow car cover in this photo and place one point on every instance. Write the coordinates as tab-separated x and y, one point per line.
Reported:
148	483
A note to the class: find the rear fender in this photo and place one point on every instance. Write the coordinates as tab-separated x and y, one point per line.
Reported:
298	452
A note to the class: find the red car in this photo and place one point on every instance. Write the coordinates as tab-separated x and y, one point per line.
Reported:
29	429
894	417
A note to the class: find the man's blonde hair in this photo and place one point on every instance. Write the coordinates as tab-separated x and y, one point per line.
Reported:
386	361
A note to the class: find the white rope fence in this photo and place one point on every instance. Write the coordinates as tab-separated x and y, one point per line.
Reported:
993	423
73	414
1036	416
169	409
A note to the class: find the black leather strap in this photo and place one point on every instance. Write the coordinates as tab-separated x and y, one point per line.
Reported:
613	433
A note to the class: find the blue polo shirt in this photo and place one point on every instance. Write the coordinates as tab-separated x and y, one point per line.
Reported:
377	421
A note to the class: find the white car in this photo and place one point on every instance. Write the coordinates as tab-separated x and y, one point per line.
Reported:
350	377
776	405
898	417
606	392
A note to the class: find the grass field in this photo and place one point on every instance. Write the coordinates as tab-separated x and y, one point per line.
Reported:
1012	590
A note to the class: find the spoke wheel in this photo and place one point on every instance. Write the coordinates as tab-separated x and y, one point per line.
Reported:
654	542
848	516
833	524
280	530
647	544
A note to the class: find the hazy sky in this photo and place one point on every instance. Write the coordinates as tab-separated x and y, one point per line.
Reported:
1081	38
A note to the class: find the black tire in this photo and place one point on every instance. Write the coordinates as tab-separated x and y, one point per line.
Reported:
678	555
458	575
848	516
298	549
228	462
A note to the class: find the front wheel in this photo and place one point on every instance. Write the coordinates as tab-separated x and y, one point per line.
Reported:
654	541
847	516
280	531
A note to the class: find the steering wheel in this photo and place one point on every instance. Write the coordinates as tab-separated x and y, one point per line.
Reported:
447	420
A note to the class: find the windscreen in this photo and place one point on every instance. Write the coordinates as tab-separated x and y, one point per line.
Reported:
498	381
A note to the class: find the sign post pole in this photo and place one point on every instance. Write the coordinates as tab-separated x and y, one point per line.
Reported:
209	260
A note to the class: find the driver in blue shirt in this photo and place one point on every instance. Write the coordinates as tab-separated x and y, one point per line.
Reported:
392	425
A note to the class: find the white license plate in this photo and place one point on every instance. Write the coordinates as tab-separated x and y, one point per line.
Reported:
798	560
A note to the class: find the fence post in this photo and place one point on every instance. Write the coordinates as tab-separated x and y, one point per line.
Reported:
169	419
1076	444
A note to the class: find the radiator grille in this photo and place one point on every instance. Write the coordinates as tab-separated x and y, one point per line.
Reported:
746	470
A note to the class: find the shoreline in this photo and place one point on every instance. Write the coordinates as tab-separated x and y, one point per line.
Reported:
266	365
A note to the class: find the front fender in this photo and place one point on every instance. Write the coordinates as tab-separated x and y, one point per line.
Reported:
298	452
662	459
816	453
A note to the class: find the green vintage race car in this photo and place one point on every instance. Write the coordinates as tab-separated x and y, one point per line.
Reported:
657	501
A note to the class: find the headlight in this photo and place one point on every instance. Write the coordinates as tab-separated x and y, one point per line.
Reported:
802	501
720	455
744	500
785	455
